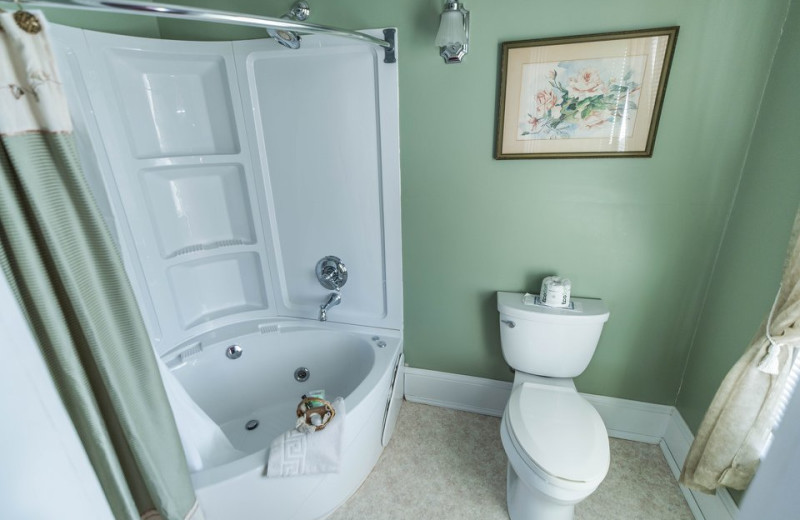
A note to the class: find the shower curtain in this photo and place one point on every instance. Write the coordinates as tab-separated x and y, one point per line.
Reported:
738	424
69	280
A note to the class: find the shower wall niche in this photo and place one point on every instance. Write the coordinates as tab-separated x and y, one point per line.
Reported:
226	170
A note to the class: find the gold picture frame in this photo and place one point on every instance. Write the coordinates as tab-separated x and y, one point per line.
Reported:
596	95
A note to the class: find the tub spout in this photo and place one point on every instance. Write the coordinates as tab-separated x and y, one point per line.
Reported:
333	300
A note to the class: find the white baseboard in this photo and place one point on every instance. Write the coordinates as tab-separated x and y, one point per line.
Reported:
632	420
624	419
467	393
677	440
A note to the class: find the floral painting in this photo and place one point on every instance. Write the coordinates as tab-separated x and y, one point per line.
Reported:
594	95
580	98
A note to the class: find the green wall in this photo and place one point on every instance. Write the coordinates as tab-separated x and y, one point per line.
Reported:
748	272
640	233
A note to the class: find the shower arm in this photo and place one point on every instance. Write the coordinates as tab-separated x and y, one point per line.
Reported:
212	15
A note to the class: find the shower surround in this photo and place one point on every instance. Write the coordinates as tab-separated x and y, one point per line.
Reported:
226	171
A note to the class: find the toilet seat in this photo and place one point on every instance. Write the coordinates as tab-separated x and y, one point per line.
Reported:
558	434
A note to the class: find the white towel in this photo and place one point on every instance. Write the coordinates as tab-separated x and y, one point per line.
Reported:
294	453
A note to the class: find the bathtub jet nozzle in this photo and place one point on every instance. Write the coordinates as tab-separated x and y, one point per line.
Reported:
334	299
233	352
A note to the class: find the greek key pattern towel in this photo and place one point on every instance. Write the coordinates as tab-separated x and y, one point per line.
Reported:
295	453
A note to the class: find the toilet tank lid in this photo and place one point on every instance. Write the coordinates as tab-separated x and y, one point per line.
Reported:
584	309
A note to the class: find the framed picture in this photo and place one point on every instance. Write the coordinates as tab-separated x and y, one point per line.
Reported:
596	95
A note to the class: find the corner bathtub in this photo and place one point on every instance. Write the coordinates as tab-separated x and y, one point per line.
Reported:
360	364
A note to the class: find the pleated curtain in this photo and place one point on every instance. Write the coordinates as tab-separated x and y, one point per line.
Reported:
739	422
70	282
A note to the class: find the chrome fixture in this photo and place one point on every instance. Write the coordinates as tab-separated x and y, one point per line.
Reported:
300	11
302	374
251	425
233	352
453	36
510	323
331	273
333	300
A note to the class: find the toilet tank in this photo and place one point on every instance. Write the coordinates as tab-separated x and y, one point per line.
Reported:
549	341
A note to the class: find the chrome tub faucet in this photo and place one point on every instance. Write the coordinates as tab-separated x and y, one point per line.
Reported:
332	274
334	299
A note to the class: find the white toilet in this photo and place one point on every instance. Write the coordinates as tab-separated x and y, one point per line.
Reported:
556	442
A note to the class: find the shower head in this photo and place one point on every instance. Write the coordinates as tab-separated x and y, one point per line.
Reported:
300	11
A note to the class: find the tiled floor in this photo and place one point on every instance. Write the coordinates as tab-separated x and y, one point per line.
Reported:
444	464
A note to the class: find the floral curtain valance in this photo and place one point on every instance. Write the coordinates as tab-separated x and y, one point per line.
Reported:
31	95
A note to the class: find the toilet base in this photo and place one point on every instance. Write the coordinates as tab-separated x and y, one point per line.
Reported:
527	503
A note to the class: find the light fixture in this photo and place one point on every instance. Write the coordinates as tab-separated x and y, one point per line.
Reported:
453	36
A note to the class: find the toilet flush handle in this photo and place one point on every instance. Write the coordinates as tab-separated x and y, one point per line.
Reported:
510	323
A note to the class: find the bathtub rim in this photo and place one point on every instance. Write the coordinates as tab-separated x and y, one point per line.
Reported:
385	360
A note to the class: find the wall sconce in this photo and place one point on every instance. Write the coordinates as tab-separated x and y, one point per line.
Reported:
453	36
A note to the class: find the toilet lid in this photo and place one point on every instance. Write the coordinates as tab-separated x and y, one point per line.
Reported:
560	432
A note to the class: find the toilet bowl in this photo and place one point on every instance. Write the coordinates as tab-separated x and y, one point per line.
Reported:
556	442
557	448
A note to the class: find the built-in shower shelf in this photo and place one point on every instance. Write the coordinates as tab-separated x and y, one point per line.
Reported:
173	103
217	286
197	207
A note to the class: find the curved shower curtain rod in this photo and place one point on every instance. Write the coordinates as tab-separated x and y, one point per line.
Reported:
212	15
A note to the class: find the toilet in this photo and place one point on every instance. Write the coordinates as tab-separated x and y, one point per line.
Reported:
556	442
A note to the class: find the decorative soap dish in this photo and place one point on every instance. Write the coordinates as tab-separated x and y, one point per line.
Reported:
314	414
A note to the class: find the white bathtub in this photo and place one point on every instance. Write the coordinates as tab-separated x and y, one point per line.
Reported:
357	363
